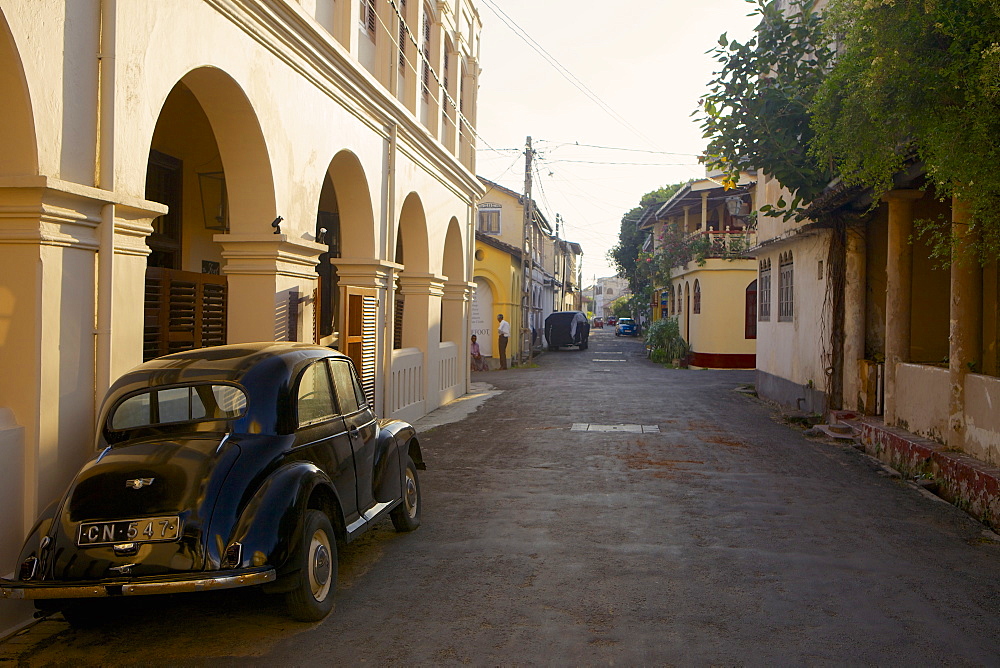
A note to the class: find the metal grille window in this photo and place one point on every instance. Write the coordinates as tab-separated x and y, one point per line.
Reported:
697	296
489	219
764	293
786	287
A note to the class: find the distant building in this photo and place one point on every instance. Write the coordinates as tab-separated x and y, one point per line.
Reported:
712	291
552	272
603	293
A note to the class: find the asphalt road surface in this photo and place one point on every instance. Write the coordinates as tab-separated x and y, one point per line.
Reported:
720	536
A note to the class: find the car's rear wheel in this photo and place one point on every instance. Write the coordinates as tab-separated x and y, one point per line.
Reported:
406	516
312	598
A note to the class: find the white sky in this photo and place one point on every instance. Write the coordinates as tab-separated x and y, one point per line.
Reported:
644	58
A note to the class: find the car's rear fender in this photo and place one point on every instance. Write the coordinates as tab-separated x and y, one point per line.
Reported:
269	526
396	440
33	543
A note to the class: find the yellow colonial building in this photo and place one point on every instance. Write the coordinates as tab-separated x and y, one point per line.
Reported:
551	273
712	290
196	172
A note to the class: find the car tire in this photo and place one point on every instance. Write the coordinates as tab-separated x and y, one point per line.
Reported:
312	597
406	516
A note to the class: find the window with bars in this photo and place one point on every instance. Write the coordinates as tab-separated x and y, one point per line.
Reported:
489	219
696	307
786	287
764	291
368	17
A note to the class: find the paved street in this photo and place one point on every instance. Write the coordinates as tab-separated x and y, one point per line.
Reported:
725	538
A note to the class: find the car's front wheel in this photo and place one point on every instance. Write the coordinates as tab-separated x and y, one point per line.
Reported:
406	516
312	598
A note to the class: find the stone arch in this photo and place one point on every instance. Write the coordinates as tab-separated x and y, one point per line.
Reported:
208	162
411	238
345	224
453	265
357	218
412	319
17	132
243	152
483	316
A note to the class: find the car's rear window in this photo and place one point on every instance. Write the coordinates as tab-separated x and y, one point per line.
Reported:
185	403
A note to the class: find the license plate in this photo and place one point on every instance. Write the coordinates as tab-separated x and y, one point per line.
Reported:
146	530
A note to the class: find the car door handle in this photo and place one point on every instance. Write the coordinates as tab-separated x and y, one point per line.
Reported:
354	433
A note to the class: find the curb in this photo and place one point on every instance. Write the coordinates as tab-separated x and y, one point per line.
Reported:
968	483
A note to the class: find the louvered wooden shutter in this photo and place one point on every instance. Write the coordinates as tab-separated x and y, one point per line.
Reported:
369	321
183	310
362	320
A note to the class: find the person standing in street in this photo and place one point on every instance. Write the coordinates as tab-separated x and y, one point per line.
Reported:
503	336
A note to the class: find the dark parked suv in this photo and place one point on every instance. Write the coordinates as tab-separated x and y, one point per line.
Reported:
567	328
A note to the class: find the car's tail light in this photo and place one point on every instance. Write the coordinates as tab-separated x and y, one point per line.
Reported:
234	556
29	569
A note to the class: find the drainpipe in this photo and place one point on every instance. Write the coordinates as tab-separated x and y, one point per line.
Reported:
105	181
388	252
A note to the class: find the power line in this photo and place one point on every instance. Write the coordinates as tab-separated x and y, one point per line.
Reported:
560	144
562	69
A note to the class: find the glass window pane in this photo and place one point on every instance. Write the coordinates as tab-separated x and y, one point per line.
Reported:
133	412
230	400
343	379
315	396
174	404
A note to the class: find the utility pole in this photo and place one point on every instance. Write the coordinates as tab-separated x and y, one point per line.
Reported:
527	254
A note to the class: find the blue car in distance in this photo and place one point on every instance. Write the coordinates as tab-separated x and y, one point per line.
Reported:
626	327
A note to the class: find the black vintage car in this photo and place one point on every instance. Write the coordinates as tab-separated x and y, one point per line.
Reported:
224	467
567	328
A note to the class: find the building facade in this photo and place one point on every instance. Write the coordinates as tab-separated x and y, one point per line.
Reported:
196	172
603	293
712	288
549	277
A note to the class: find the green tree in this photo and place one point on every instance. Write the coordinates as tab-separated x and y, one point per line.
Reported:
757	113
625	255
916	81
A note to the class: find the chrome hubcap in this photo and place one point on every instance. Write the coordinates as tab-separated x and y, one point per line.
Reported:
320	565
410	497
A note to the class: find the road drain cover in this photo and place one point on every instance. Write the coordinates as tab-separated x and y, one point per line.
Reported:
627	428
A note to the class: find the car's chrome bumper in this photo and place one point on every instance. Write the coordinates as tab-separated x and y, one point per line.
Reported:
13	589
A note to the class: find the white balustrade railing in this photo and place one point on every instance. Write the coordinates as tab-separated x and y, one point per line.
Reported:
406	383
448	367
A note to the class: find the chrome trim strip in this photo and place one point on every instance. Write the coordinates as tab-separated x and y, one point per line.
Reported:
223	442
373	512
356	524
18	590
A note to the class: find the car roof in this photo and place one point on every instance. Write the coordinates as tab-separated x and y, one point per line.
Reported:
221	363
267	370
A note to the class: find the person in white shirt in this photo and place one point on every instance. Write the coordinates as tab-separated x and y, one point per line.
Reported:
503	336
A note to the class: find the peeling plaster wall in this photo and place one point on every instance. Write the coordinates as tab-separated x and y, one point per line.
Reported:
982	415
922	400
